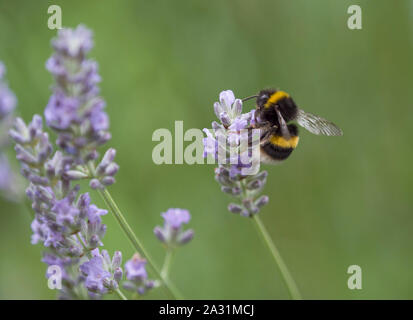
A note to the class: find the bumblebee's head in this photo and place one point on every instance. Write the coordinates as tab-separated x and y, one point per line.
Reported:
263	97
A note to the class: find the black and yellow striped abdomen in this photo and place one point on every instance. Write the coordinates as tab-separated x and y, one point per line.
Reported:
277	147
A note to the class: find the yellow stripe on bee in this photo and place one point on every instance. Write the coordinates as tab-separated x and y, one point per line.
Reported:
275	97
284	143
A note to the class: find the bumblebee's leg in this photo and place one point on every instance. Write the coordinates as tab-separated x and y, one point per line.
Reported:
263	124
267	134
264	128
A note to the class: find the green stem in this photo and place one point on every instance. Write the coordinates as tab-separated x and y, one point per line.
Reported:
135	241
120	294
167	263
288	279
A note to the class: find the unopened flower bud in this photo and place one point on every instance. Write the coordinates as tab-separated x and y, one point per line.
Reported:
75	175
216	125
237	107
107	181
261	201
117	259
185	236
226	121
234	208
254	185
236	191
159	234
226	189
75	251
94	241
218	109
245	213
108	157
117	274
111	169
95	184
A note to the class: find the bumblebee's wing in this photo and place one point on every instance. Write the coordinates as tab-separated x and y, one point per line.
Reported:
283	125
317	125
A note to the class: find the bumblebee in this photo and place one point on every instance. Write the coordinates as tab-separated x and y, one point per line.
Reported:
275	109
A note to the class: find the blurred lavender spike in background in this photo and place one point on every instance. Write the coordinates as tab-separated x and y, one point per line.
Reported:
10	185
66	222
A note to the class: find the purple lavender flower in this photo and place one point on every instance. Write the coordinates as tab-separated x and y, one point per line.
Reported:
96	275
66	213
61	111
105	171
64	263
5	173
229	142
74	43
135	268
7	98
137	276
238	124
66	222
176	217
172	233
9	184
75	110
210	145
102	273
2	70
235	144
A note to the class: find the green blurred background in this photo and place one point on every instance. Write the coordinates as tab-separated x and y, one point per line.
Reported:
334	203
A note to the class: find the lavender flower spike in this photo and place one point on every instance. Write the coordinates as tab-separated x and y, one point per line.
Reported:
75	110
76	113
66	222
228	139
9	184
8	100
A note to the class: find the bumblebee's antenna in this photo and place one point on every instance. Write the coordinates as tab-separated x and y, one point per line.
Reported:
250	97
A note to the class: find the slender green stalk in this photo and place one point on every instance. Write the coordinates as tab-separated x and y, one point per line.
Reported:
120	294
288	279
135	241
167	263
